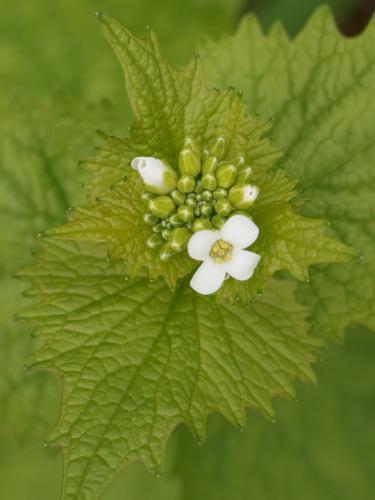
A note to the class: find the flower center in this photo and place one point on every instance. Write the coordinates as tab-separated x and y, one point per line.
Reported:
221	251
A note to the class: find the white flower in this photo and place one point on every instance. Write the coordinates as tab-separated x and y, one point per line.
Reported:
157	175
222	253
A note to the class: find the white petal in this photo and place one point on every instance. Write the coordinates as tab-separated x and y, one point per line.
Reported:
240	231
208	278
242	264
137	162
200	244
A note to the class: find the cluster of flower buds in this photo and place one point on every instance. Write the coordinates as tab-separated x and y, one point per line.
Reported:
202	194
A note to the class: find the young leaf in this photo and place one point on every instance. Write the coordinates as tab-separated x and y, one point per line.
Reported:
137	359
323	105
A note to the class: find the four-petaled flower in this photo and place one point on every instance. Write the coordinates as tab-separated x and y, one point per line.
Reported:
222	253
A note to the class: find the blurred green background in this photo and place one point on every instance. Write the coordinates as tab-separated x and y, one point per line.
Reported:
59	81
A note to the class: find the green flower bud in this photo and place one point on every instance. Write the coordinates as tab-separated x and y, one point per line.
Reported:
166	252
190	143
185	213
217	221
205	155
199	187
178	197
155	241
189	163
207	196
242	196
158	228
191	202
179	238
223	207
158	176
150	219
200	224
209	182
197	212
210	165
220	193
226	175
167	233
217	148
186	184
238	162
161	206
206	209
175	220
244	175
146	196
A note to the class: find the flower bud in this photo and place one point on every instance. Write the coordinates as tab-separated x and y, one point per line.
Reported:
242	196
199	187
223	207
175	220
150	219
226	175
185	213
179	238
238	162
244	175
155	241
207	196
210	165
217	221
206	209
189	163
161	206
178	197
186	184
217	148
167	233
190	143
200	224
209	182
146	196
158	228
157	175
191	202
220	193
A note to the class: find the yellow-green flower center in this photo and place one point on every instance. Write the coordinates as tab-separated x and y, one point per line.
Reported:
221	251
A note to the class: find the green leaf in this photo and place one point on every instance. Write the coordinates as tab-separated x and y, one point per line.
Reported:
138	359
322	447
323	106
170	104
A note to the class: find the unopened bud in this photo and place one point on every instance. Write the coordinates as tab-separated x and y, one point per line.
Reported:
146	196
158	228
207	196
217	221
206	209
150	219
189	163
200	224
191	202
244	175
209	182
223	207
238	162
242	196
190	143
179	238
161	206
157	175
155	241
167	233
226	175
186	184
199	187
178	197
166	252
220	193
185	213
210	165
217	148
175	220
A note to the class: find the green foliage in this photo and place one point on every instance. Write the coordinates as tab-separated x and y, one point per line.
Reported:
319	90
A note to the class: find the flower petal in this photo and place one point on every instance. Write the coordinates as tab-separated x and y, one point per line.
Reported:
208	278
242	264
240	231
200	244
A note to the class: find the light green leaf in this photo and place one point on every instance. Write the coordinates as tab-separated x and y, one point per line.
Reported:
170	104
137	359
319	90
